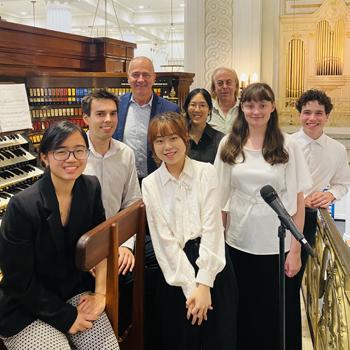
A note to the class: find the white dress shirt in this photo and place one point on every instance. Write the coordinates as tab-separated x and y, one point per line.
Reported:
221	122
135	133
328	163
252	224
179	210
117	175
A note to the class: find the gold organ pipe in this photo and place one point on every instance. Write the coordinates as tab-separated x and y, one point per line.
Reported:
299	68
320	49
287	70
302	68
317	49
323	33
296	68
332	53
327	50
292	69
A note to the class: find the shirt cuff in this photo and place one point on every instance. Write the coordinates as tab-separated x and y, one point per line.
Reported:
130	243
205	277
188	289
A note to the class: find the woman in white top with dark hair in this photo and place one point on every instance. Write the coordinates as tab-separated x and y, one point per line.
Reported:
254	154
197	293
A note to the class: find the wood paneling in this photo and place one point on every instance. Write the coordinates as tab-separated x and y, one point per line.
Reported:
25	46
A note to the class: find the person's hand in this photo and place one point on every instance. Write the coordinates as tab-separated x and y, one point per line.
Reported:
126	260
321	199
198	304
292	264
92	304
82	322
308	201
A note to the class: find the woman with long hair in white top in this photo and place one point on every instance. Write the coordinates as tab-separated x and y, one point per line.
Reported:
254	154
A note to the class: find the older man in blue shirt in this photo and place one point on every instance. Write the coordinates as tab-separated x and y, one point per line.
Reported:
135	111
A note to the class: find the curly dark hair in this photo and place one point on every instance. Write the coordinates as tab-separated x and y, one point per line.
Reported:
273	149
314	95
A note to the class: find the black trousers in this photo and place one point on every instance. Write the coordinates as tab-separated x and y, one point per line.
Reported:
258	309
310	228
175	332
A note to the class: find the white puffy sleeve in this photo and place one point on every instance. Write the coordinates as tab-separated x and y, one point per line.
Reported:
224	177
298	177
176	268
211	258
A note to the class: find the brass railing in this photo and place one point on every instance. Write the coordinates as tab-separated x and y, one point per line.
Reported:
326	288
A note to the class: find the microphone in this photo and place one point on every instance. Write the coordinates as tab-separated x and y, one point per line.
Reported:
270	196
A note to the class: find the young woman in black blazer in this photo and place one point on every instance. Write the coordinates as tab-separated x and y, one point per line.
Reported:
44	302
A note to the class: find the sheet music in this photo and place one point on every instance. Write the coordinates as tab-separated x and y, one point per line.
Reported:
14	108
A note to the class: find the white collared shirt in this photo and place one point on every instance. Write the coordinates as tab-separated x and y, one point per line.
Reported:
328	163
117	175
252	225
135	133
221	122
179	210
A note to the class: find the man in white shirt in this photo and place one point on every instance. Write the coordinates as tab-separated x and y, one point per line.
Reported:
327	160
112	162
224	91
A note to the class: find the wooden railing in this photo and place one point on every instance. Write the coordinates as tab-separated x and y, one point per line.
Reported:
326	288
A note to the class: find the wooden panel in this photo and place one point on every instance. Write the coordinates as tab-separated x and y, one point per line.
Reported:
26	46
115	50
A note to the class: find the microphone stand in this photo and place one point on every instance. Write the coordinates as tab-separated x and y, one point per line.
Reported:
282	286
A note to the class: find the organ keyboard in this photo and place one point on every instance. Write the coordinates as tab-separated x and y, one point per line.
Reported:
17	167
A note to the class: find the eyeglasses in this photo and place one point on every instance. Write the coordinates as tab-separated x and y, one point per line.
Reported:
64	154
137	75
260	106
199	105
221	83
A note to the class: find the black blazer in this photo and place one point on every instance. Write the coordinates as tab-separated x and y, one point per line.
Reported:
37	254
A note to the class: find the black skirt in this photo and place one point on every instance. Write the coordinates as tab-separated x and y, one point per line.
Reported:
175	332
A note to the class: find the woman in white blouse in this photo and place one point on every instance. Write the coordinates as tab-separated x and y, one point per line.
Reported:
197	294
254	154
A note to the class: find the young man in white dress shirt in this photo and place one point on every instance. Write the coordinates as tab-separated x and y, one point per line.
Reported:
327	160
113	163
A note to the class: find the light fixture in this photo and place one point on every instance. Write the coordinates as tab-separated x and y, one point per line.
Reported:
23	13
182	5
33	3
141	7
106	13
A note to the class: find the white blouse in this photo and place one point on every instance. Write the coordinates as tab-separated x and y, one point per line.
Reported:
328	163
252	224
179	210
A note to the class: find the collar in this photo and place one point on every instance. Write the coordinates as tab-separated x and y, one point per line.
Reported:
308	140
149	103
209	131
185	177
113	148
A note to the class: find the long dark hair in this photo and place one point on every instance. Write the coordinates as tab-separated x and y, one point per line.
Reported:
273	149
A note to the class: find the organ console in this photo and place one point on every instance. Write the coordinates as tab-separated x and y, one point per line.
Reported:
18	168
